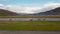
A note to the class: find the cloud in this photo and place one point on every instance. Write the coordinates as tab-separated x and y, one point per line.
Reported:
30	10
49	6
52	5
22	9
2	6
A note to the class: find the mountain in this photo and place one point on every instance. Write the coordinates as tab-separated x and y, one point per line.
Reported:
7	13
55	11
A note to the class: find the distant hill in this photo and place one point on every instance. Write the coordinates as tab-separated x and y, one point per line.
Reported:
55	11
7	13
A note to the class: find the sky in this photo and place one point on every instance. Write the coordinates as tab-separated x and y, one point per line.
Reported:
29	6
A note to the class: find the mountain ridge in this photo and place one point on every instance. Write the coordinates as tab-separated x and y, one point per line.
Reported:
4	12
55	11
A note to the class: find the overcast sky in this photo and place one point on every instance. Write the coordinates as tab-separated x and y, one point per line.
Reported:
29	6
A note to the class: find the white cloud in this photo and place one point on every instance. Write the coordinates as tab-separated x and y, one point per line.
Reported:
49	6
2	6
21	9
24	9
52	5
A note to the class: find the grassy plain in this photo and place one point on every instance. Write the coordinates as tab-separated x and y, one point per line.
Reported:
30	25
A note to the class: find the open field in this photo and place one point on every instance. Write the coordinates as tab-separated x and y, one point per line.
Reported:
30	25
29	16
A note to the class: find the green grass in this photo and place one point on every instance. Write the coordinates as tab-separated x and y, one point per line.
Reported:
30	25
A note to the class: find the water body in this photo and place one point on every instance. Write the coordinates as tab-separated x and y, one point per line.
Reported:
33	19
